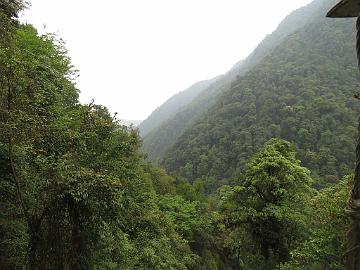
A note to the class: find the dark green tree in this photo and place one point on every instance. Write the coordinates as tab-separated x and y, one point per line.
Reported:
328	225
265	214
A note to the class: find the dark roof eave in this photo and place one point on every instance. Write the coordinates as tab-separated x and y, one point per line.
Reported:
345	9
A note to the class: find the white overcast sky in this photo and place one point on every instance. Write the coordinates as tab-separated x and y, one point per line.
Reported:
135	54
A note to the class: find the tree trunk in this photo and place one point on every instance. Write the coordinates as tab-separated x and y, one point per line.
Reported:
34	241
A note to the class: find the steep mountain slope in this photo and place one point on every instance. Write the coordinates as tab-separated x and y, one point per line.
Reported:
302	92
172	105
159	139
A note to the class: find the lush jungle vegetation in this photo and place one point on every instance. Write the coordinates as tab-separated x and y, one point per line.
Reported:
76	192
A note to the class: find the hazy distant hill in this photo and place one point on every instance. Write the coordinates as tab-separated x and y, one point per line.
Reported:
302	92
172	105
128	123
156	142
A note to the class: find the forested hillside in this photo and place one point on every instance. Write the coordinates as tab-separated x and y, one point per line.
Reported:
172	106
156	142
302	92
77	194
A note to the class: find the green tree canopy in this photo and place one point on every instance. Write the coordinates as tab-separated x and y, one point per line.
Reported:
328	224
266	211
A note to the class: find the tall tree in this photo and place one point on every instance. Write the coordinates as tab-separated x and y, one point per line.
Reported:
266	211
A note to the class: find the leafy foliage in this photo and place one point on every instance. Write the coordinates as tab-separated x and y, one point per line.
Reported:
267	210
328	225
74	193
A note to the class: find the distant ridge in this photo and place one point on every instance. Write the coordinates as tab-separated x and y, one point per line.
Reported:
302	91
129	123
158	139
172	105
